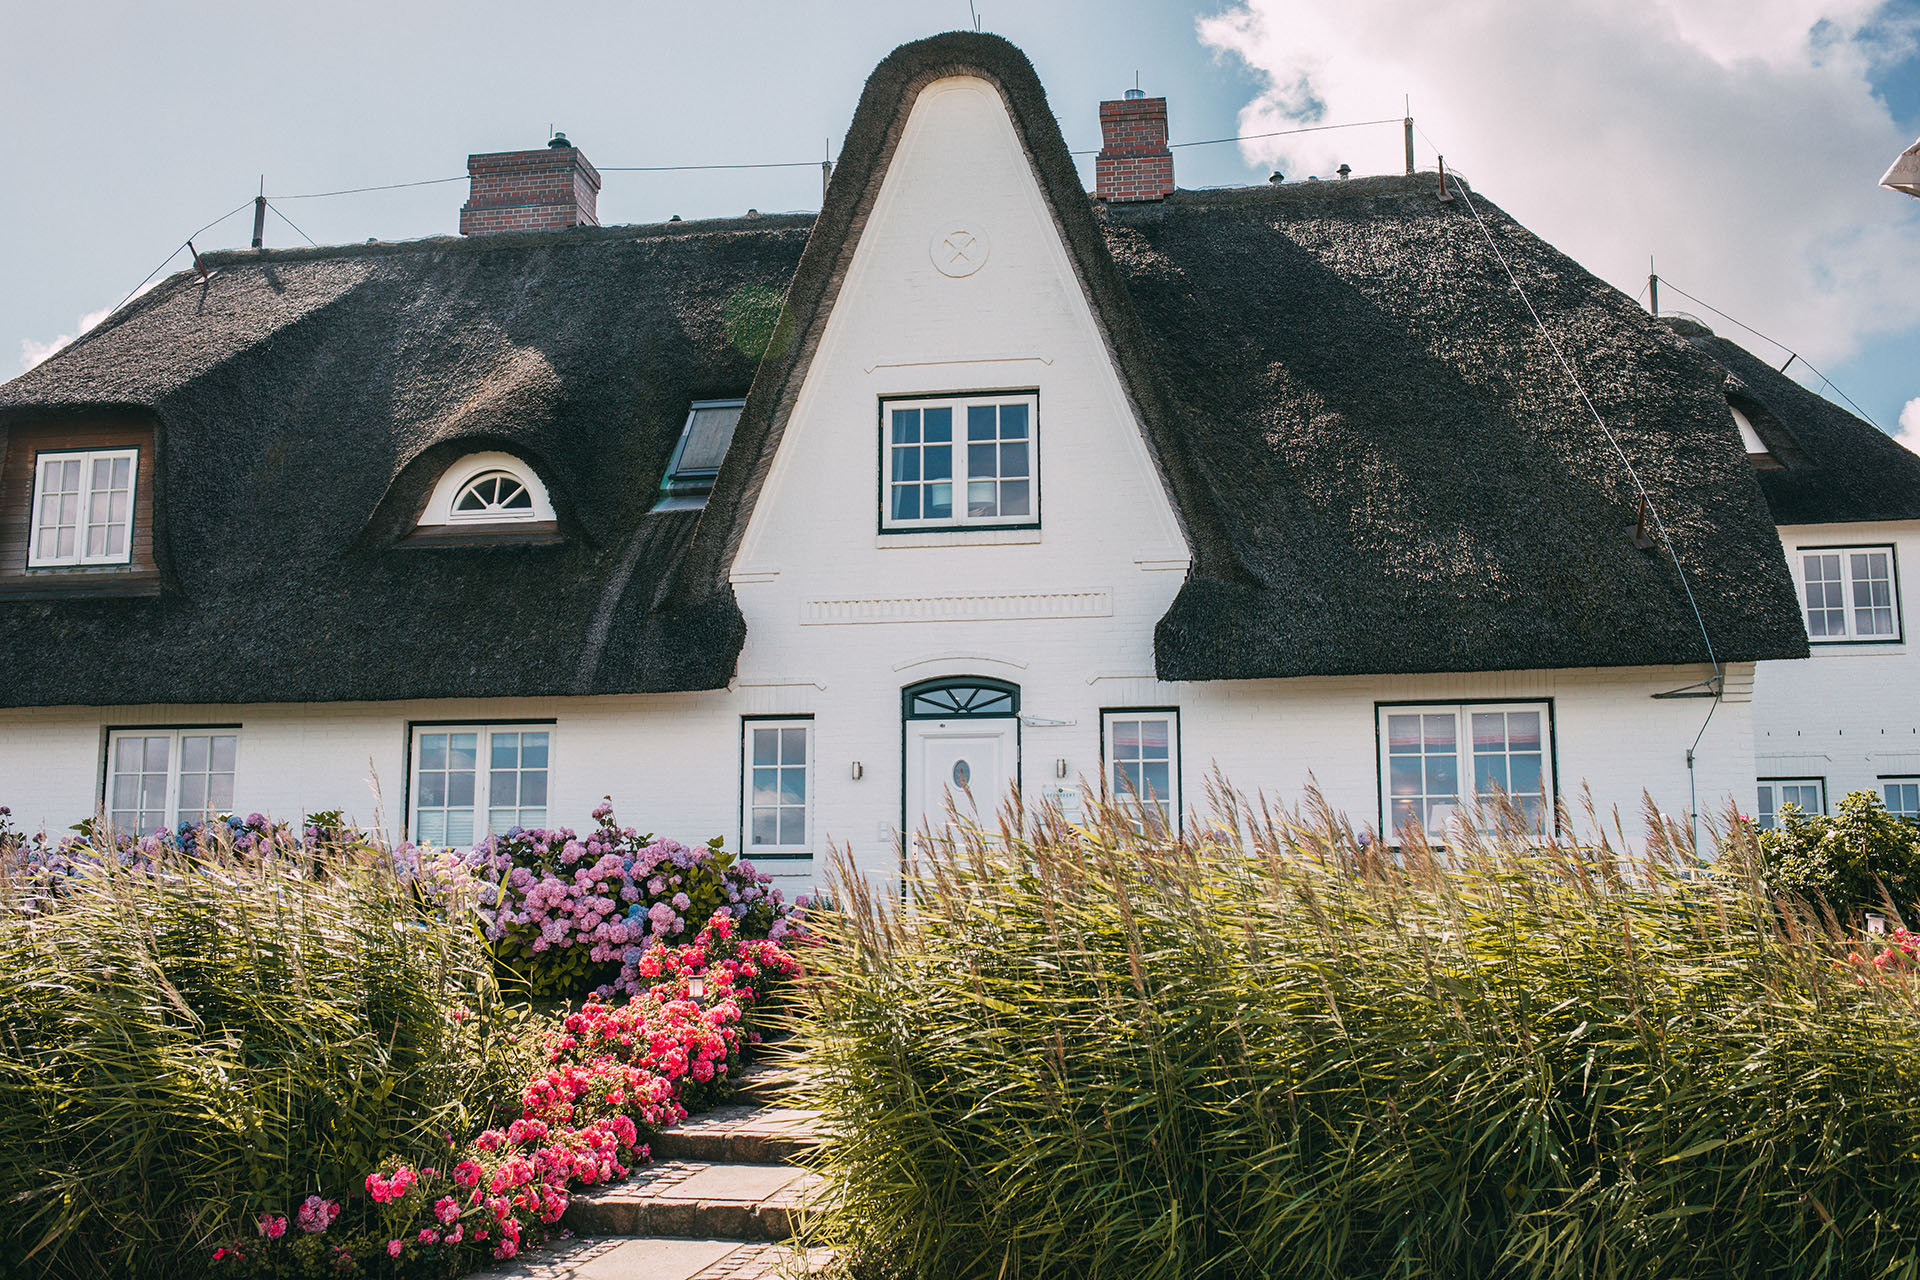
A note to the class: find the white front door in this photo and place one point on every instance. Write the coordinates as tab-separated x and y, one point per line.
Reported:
976	760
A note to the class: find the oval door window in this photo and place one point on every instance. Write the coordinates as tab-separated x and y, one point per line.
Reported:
962	773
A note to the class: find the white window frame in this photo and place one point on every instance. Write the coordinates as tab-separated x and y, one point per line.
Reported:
810	776
1847	588
1466	797
455	479
959	474
1111	759
175	737
1899	780
1767	818
482	806
86	458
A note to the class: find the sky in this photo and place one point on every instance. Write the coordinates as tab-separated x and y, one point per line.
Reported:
1734	143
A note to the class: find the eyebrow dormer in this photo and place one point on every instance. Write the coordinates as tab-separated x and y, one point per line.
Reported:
489	497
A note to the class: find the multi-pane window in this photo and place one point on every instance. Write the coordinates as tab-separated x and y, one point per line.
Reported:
1903	796
777	764
966	460
1809	795
163	777
472	781
82	508
1143	764
1437	759
493	496
1851	593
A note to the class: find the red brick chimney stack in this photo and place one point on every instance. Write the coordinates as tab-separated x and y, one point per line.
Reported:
1134	163
531	190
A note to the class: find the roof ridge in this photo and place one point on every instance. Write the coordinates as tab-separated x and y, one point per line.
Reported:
509	240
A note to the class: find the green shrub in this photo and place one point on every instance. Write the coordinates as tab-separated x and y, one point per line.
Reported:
211	1030
1861	859
1282	1054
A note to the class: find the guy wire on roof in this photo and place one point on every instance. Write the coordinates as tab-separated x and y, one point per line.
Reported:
1653	508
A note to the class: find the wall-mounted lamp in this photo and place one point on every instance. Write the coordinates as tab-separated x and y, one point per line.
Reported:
696	986
859	771
1060	767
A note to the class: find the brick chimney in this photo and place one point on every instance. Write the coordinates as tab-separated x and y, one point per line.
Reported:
531	190
1134	163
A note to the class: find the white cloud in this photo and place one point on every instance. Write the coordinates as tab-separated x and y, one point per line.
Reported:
1738	142
33	353
1909	432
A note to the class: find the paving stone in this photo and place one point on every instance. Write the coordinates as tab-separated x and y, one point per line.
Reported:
656	1258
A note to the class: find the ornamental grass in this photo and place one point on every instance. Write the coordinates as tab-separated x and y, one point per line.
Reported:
183	1037
1271	1048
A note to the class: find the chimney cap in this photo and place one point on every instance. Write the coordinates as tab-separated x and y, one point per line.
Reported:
558	140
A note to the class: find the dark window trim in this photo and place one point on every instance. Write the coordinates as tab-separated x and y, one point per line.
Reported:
909	692
1380	783
961	526
1179	756
1899	635
406	758
740	789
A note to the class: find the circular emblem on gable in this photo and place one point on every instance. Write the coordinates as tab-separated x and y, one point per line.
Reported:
959	249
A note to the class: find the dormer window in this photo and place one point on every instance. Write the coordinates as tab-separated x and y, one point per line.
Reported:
82	508
493	496
485	491
697	457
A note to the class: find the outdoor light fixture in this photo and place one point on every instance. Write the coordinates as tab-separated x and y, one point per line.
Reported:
1876	923
696	986
1060	767
859	771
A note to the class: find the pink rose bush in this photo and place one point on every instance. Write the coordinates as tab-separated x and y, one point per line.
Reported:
1898	955
608	1076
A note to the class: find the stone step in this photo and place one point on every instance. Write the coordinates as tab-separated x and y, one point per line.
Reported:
698	1200
740	1133
772	1081
656	1258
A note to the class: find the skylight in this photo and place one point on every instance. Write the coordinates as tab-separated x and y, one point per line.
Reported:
697	457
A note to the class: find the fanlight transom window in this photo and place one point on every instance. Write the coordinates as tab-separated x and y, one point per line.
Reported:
947	699
493	496
486	489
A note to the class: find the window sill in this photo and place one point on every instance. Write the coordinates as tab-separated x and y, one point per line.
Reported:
1865	647
92	582
788	856
958	538
519	533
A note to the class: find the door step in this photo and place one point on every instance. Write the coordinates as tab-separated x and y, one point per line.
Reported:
740	1133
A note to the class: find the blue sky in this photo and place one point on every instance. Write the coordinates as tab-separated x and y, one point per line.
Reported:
1730	138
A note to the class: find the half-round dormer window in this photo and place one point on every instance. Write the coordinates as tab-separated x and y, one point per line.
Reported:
493	496
487	489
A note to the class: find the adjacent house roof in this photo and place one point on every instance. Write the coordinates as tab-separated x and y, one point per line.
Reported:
1374	456
1835	468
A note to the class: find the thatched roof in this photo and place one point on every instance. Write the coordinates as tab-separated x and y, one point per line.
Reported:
305	402
1376	463
1835	468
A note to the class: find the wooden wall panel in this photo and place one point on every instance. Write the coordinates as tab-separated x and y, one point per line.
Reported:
24	443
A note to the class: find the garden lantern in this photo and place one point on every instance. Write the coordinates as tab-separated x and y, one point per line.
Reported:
1876	923
696	986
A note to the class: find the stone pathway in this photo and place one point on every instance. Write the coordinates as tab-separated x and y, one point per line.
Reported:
717	1204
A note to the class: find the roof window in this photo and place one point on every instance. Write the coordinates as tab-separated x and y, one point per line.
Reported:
697	457
1757	452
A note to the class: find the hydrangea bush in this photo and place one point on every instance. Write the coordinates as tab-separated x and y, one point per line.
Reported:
568	914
